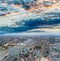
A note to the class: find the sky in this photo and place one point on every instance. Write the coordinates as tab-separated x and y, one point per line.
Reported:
18	19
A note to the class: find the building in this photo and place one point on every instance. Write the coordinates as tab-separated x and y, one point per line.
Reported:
7	57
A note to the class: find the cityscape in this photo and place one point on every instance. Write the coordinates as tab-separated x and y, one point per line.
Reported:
30	48
29	30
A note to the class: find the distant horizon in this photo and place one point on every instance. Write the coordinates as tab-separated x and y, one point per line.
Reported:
31	34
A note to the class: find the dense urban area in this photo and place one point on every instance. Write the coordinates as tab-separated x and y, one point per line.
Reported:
30	48
30	16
